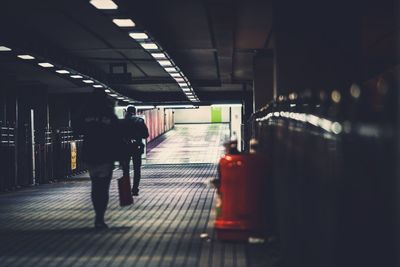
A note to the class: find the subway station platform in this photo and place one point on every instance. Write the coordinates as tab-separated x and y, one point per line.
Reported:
52	225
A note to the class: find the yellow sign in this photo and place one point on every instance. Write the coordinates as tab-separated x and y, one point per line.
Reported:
73	155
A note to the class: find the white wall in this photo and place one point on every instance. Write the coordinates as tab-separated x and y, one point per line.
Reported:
200	115
236	124
120	112
203	115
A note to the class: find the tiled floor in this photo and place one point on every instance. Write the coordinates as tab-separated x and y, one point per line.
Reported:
190	143
51	225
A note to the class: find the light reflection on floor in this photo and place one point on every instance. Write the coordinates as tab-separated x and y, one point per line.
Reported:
190	143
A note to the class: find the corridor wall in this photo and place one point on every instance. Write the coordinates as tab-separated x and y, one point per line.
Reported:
333	166
204	114
158	121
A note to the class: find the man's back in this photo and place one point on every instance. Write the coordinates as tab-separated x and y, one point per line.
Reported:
135	128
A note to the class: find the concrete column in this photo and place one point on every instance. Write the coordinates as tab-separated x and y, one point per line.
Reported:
263	79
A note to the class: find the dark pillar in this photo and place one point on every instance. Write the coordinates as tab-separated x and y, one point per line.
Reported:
397	206
247	110
263	79
317	47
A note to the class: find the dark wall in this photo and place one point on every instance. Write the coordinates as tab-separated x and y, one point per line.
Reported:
334	189
317	45
65	109
59	111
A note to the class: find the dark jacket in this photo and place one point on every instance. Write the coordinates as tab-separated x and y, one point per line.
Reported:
102	135
135	128
134	131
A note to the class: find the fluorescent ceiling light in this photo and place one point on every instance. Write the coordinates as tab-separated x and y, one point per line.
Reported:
165	63
107	91
46	65
26	57
98	86
139	36
4	49
113	95
88	81
170	69
76	76
149	46
120	98
175	75
158	55
62	71
144	107
182	84
226	105
103	4
124	22
186	89
177	106
179	80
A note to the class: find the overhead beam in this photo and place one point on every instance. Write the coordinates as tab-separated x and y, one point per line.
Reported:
160	81
221	18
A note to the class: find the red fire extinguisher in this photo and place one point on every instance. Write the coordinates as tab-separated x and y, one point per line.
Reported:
241	197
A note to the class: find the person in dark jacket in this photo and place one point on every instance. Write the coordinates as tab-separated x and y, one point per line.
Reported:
135	130
100	128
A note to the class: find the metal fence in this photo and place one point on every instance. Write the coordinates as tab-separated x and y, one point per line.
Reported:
7	157
65	142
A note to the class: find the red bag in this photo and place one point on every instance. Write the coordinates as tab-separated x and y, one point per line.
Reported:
124	190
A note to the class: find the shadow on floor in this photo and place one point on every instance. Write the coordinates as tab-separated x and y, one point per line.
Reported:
54	240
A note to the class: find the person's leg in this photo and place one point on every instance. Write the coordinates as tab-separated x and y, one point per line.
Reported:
137	163
96	197
125	166
101	177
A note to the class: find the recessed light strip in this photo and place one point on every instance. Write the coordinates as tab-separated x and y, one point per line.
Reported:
62	71
26	57
46	65
179	80
124	23
171	70
139	35
4	49
73	74
164	63
149	46
176	106
104	4
159	55
144	107
147	43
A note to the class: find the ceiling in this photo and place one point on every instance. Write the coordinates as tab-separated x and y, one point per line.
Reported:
212	42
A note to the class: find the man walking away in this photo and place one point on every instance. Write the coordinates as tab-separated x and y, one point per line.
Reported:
135	131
